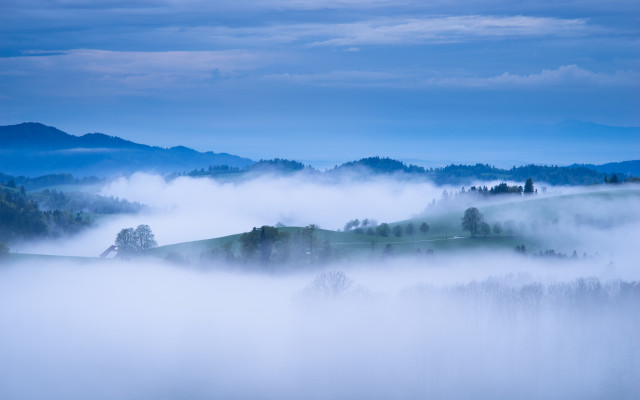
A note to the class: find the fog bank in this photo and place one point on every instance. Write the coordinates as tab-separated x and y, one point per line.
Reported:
187	209
476	327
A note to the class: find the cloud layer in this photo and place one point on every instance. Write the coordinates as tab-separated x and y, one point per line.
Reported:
145	330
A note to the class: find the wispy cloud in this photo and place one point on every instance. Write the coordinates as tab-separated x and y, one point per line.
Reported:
448	29
135	68
562	76
388	31
354	77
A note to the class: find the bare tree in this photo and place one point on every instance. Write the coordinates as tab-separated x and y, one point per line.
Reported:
471	220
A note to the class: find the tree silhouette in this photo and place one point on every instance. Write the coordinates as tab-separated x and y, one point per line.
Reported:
137	240
144	238
397	231
383	229
528	186
410	229
424	228
126	242
471	220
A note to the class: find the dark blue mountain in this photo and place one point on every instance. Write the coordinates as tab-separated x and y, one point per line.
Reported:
623	168
34	149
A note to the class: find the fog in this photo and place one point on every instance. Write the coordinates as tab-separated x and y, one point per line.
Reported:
478	325
187	209
456	324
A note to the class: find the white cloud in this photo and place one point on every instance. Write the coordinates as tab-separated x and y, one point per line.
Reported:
388	31
399	31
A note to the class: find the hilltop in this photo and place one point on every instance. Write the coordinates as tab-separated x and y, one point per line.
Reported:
34	149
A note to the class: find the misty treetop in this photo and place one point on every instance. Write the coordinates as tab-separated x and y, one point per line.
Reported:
472	220
380	165
131	241
21	218
83	202
270	246
33	183
451	174
367	226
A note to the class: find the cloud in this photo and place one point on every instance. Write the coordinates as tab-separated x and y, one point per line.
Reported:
134	68
511	326
341	77
388	31
396	31
173	6
567	75
192	209
563	75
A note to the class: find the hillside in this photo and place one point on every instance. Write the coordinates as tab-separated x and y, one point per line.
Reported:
538	222
34	149
625	168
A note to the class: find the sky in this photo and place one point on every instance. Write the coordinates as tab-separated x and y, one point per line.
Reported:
498	81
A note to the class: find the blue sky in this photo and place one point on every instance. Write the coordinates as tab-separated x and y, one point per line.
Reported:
504	82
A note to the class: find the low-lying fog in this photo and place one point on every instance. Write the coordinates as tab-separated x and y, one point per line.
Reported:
478	326
187	209
457	325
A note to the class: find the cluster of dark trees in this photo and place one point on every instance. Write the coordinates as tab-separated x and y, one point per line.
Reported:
549	253
367	226
214	170
370	227
553	175
503	188
45	180
83	202
614	179
451	174
131	241
21	218
379	165
270	246
473	221
276	165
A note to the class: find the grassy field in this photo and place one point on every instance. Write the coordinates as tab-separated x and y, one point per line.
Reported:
533	219
537	222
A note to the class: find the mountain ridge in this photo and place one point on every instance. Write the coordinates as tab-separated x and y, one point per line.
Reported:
35	149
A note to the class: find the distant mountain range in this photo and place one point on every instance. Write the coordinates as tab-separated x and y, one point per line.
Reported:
34	149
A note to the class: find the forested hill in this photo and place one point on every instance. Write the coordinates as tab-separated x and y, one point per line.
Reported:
465	174
553	175
34	149
627	168
451	174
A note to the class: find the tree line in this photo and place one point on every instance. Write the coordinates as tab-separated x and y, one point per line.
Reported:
270	246
370	227
451	174
22	219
